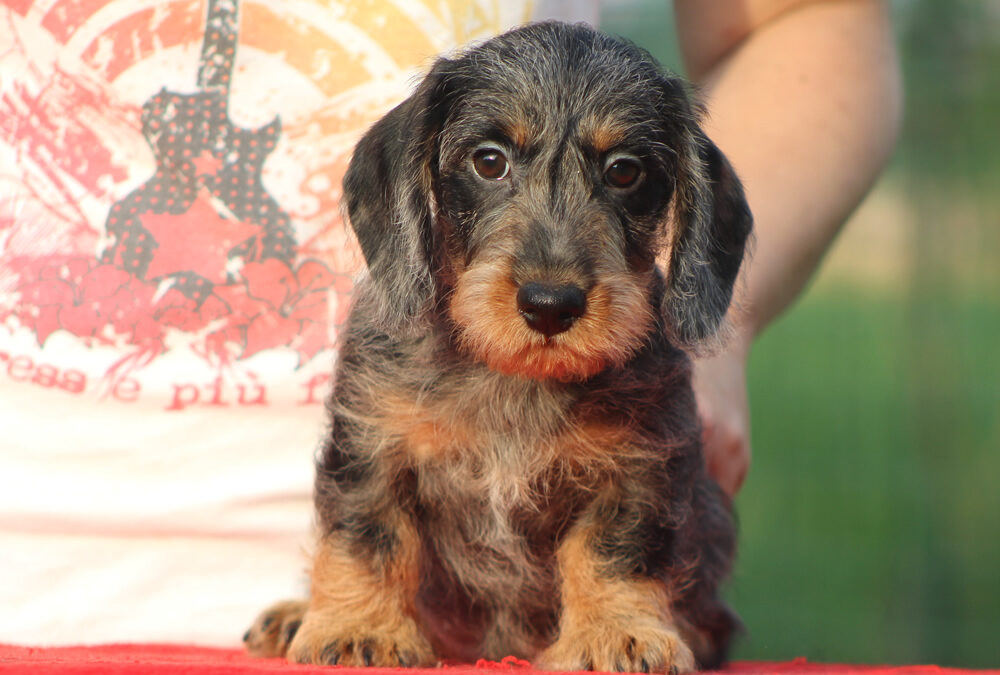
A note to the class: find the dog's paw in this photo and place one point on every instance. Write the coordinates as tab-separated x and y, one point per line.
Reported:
273	629
324	642
637	648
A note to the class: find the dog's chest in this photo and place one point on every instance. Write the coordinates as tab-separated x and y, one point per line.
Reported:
495	513
490	533
495	498
488	489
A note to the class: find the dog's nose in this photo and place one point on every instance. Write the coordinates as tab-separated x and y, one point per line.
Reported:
551	308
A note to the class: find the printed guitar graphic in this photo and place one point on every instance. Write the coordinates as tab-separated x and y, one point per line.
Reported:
205	209
201	248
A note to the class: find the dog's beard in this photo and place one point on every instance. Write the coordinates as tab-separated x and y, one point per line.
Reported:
490	328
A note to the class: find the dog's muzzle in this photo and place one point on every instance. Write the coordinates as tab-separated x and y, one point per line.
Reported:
550	308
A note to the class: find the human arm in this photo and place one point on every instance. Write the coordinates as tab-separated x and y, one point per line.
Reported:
804	98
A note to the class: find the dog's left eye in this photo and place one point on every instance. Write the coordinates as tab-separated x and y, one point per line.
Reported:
490	164
623	172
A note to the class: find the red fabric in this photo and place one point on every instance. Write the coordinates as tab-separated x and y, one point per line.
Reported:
170	659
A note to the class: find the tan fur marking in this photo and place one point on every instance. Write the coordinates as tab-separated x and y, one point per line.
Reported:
427	434
611	623
484	306
361	615
519	133
597	443
602	136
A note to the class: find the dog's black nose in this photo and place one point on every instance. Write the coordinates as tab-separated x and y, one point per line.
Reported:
551	308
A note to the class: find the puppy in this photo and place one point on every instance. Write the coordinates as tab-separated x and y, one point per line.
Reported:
513	465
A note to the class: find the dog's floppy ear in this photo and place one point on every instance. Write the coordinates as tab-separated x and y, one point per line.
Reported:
713	223
387	190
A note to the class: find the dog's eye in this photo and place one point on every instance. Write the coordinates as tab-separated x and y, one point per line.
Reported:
623	172
490	164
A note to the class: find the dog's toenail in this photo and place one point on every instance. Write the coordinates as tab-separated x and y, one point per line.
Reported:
330	655
291	628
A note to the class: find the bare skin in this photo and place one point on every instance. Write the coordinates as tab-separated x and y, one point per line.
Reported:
805	99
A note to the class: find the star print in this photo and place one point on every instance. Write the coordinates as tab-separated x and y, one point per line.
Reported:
197	241
206	164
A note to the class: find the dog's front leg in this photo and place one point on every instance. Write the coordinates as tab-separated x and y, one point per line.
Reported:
611	620
361	610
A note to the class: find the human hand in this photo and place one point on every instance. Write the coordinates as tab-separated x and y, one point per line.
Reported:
720	387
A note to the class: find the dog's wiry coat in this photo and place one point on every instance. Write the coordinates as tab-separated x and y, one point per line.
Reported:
494	483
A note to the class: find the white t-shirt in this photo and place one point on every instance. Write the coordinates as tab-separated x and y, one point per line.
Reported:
169	299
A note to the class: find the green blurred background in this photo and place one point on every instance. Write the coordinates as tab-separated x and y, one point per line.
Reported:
870	522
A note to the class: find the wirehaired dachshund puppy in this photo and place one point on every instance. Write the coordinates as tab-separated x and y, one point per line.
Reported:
513	465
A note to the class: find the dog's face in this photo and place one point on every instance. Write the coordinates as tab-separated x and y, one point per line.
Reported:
526	189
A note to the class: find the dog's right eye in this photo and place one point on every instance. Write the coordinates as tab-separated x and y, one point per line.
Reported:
490	164
623	172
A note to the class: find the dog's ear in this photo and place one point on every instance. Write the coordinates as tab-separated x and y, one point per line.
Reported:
713	223
387	191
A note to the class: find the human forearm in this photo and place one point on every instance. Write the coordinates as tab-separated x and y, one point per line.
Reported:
804	98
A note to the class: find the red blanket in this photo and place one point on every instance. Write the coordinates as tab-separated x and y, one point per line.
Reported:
175	659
